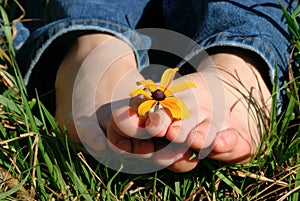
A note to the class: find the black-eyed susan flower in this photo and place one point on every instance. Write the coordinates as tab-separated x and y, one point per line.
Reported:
162	95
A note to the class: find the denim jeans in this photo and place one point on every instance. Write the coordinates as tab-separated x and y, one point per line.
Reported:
256	27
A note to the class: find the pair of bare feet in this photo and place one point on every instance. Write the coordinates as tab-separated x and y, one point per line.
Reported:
227	108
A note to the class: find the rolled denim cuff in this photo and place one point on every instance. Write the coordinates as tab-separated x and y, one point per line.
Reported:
262	47
42	38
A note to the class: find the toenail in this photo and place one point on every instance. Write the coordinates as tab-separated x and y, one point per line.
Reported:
195	134
176	128
195	140
221	141
227	136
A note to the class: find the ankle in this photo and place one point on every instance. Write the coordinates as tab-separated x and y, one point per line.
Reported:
85	44
241	73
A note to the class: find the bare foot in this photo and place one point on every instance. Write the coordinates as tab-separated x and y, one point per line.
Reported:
224	123
93	80
74	72
228	108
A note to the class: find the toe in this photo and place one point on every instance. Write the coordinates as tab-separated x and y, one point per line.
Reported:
225	141
126	120
143	148
165	153
186	163
117	142
201	136
179	130
176	132
231	146
175	157
158	123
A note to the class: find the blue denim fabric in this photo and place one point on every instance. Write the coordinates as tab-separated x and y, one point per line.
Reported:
65	16
253	25
21	37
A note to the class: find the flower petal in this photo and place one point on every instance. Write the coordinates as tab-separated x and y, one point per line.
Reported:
167	78
149	84
139	91
178	87
145	82
185	112
145	106
176	107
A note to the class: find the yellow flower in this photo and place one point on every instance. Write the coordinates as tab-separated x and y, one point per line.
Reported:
163	95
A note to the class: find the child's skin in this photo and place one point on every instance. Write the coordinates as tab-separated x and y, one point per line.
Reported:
232	133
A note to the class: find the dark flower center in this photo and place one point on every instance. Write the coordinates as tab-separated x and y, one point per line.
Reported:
158	95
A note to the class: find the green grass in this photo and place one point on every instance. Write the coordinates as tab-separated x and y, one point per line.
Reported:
36	163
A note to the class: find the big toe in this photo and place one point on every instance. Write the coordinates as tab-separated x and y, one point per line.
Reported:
231	146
